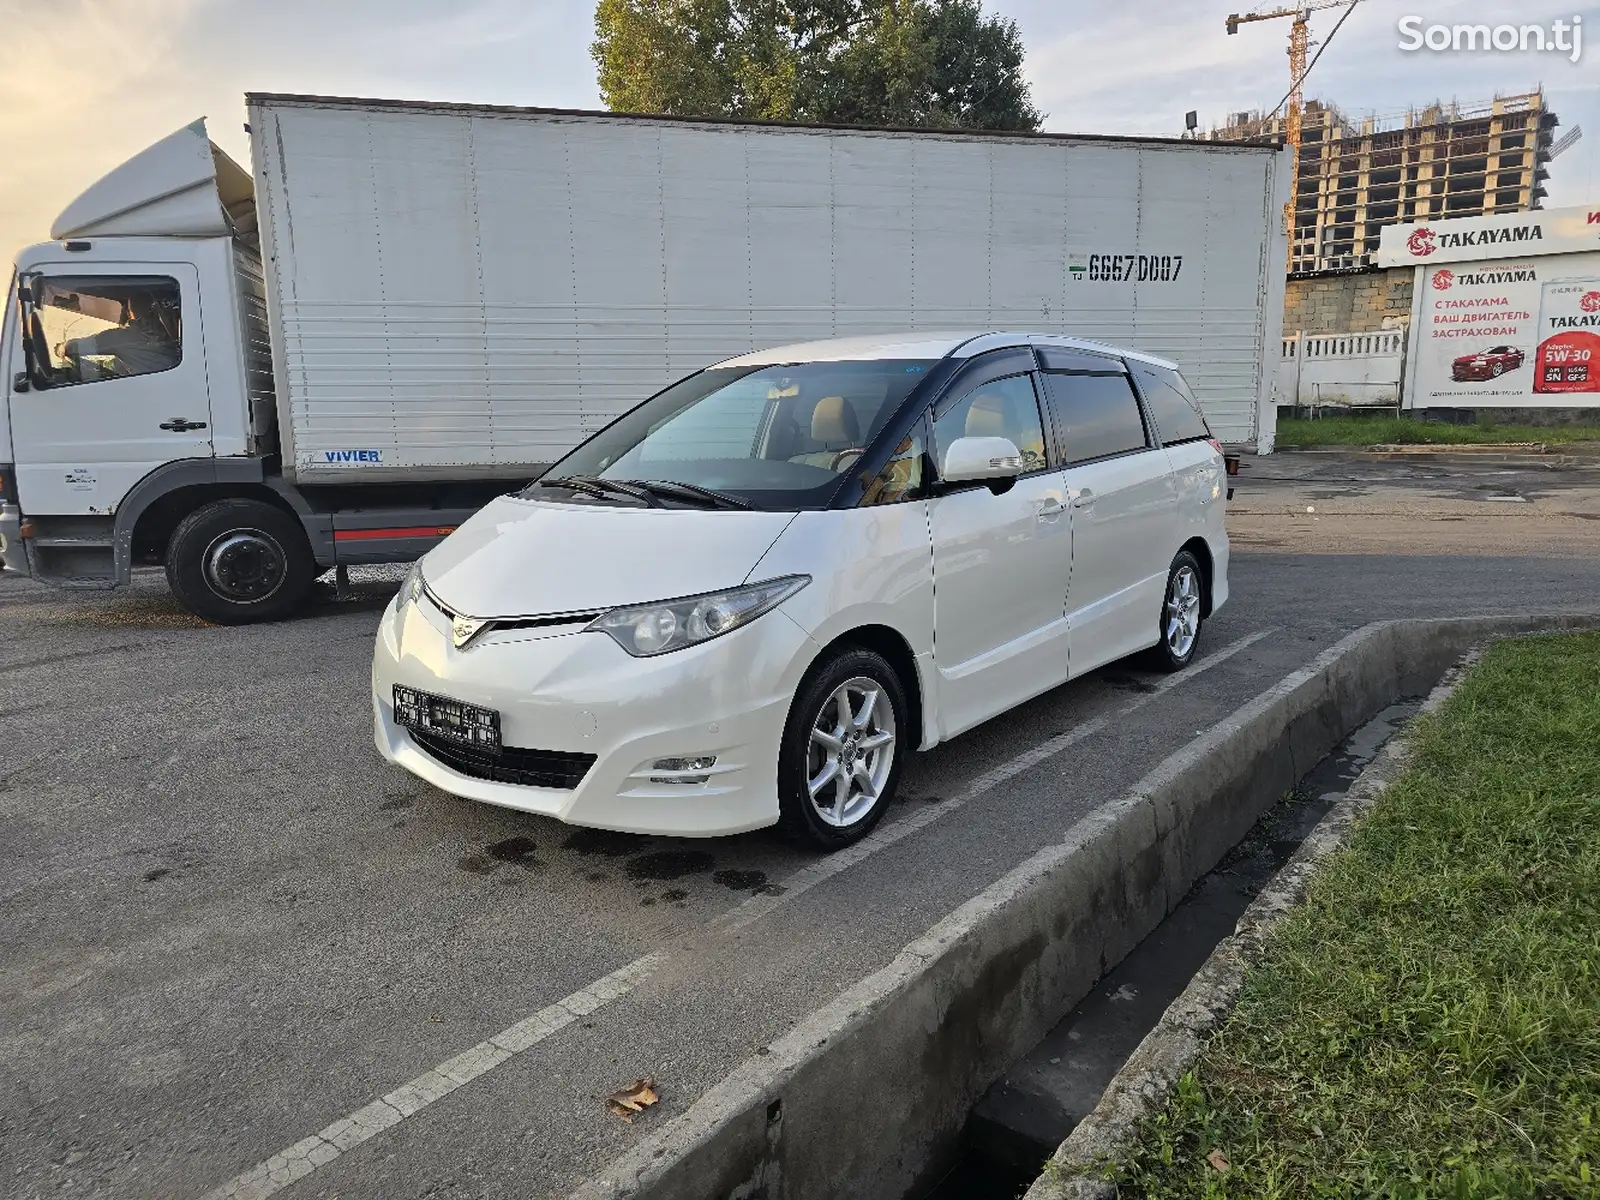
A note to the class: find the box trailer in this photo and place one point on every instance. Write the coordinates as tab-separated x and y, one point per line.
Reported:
404	309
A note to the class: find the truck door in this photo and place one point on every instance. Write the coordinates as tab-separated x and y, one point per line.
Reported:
114	383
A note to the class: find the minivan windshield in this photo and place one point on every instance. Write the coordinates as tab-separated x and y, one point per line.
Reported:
764	437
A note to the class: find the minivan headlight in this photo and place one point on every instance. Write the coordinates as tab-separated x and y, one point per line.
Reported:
647	629
411	585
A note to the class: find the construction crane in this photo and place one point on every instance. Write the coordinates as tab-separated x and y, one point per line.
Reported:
1299	43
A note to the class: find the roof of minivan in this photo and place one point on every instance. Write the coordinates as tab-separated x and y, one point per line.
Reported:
964	344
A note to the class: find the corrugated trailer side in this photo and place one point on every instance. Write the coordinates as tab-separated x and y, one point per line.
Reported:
468	291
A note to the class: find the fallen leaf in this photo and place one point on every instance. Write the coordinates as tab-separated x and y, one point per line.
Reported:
1218	1160
632	1100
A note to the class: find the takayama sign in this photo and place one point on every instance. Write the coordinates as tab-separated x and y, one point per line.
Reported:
1466	239
1475	335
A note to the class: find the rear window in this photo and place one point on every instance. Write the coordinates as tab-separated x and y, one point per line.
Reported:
1172	405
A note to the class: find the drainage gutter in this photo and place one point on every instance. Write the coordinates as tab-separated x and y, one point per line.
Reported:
868	1096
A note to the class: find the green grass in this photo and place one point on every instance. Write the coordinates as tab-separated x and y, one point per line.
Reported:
1406	431
1428	1024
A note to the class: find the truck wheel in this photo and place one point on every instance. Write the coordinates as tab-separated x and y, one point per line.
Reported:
234	562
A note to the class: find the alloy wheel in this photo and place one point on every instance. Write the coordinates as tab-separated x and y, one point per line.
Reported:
1183	612
851	752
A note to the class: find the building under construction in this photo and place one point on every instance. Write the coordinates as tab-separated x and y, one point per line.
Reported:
1445	160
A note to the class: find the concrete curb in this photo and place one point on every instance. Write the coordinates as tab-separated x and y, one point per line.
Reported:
1170	1049
1550	455
867	1096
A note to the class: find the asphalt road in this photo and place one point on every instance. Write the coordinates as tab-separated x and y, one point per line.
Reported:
227	924
1331	503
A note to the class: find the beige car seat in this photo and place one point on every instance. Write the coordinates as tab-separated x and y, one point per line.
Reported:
833	423
993	416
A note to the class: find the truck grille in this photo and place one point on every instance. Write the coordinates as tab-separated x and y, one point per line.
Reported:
527	768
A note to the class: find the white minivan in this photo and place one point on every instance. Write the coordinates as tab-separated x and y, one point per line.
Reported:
746	600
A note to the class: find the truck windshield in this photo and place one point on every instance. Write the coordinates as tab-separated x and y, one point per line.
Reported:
778	437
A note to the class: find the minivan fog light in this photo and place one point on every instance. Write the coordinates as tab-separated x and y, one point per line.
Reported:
681	769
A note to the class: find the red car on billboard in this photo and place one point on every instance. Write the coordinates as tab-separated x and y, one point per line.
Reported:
1486	364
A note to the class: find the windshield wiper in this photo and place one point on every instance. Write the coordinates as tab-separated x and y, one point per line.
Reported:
694	490
591	485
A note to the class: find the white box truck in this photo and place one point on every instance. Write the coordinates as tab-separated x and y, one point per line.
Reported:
405	309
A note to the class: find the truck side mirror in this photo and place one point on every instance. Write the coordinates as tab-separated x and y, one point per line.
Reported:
21	383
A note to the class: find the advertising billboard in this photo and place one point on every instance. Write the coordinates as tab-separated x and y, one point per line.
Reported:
1512	333
1568	359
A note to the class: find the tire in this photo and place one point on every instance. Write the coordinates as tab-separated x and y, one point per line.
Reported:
1497	370
832	822
235	562
1178	626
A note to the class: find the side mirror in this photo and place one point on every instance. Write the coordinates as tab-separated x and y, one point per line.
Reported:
991	460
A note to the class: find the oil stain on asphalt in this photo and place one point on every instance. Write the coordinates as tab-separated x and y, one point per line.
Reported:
602	843
664	865
519	851
747	881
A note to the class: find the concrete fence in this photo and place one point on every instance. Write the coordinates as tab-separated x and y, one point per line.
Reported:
1341	370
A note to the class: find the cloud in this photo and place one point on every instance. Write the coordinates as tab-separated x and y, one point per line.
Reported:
1137	68
88	83
91	82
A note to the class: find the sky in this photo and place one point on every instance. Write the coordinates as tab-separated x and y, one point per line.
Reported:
87	83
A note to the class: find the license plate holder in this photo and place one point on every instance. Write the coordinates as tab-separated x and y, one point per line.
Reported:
469	725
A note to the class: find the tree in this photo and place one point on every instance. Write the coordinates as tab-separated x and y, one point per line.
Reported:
924	63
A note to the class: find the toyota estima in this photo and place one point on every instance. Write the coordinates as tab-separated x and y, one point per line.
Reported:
748	599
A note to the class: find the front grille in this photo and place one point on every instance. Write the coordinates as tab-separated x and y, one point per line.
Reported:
498	624
529	768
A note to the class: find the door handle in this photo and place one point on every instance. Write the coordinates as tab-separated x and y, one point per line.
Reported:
1051	507
1084	499
182	425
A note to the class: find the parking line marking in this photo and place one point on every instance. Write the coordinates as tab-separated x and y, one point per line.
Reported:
321	1148
301	1159
804	880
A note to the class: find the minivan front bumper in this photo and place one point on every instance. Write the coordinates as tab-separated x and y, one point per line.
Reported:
579	694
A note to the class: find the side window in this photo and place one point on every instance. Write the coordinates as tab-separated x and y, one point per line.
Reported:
1172	405
1004	408
901	477
1097	415
113	327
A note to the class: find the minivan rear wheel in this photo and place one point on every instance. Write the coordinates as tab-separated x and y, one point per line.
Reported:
1181	605
839	764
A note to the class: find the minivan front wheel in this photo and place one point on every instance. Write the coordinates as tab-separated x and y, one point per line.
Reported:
1180	614
840	760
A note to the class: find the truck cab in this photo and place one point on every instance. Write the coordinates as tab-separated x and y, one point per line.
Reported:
138	414
136	373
